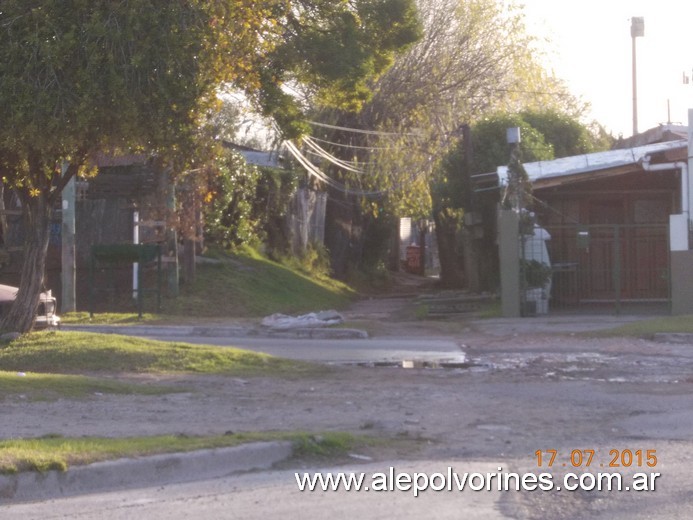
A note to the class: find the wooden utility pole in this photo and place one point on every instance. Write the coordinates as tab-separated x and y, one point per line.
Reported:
171	237
68	301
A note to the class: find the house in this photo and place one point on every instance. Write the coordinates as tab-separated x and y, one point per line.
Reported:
615	218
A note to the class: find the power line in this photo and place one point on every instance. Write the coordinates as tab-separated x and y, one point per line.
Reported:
322	176
348	145
361	131
349	166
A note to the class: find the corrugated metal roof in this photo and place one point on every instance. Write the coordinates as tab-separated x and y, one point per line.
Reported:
256	157
659	134
592	162
265	159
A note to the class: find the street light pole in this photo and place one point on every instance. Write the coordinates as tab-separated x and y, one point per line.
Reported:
637	28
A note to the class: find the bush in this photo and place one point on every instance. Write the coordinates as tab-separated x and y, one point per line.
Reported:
230	196
535	273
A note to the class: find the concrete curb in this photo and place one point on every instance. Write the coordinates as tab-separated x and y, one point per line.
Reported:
680	338
220	331
143	472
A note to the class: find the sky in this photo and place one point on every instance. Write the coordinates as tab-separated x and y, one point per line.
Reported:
588	45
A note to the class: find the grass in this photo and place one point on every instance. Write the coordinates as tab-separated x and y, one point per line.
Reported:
35	386
649	327
107	318
80	352
249	284
54	452
241	285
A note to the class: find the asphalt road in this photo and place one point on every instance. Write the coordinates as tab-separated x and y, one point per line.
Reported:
372	350
274	494
527	392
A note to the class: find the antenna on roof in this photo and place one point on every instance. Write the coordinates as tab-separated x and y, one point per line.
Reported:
668	111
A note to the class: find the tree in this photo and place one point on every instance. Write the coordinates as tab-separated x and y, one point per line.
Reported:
81	76
546	135
229	201
331	52
479	150
474	57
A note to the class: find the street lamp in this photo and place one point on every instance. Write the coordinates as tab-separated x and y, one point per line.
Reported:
637	28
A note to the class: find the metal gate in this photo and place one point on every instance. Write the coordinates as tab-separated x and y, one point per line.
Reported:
623	268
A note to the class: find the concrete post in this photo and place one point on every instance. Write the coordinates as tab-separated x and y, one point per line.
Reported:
681	256
68	295
687	209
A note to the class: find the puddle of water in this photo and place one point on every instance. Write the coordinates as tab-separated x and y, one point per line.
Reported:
494	427
412	363
584	366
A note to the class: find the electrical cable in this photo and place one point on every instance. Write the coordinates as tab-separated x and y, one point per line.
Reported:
348	145
360	131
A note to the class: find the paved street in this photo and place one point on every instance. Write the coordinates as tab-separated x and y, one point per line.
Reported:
343	350
530	385
267	495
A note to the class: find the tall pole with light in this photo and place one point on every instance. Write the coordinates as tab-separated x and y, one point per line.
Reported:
637	28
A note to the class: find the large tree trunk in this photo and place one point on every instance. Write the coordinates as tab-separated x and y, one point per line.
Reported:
22	313
344	225
451	275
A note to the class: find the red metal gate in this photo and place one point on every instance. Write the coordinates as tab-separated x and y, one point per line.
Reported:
609	264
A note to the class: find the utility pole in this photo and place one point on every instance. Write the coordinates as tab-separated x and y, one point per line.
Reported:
171	236
68	298
514	193
637	28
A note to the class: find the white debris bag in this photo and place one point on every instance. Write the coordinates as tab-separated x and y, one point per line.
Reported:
313	319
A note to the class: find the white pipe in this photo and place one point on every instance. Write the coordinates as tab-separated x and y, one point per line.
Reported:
690	161
135	240
679	165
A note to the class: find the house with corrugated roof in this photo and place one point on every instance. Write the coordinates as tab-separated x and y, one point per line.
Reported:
617	221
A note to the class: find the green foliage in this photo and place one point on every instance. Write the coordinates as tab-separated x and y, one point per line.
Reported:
79	352
56	386
545	135
337	48
566	134
536	274
491	148
314	262
646	328
229	202
79	77
275	189
475	58
249	284
325	445
451	185
247	205
105	318
55	452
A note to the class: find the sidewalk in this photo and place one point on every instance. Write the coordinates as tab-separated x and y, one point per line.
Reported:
560	324
221	331
142	472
